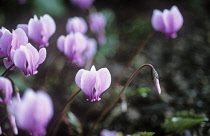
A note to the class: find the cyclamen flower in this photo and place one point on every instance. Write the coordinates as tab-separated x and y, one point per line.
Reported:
9	41
97	23
27	58
73	46
83	4
6	89
93	83
33	112
41	30
76	24
168	21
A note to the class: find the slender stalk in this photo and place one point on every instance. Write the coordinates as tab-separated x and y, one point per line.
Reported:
7	70
117	98
55	125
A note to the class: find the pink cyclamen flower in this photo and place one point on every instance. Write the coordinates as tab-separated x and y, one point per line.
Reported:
76	24
27	58
6	89
33	112
106	132
97	22
93	83
83	4
40	30
73	46
156	80
168	21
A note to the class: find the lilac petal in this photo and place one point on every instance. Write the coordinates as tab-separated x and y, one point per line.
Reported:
178	19
91	48
42	55
103	81
88	81
157	21
48	28
60	43
5	42
6	87
168	20
24	27
20	59
18	38
35	29
78	77
157	85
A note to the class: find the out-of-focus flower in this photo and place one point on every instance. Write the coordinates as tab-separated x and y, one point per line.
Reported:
97	23
83	4
27	58
93	83
106	132
76	24
73	46
6	89
168	21
40	30
33	112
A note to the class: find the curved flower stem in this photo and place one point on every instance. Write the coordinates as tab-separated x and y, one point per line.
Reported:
55	125
118	96
7	70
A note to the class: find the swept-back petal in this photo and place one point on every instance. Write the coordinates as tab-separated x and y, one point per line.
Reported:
60	43
78	77
35	30
42	55
103	81
88	81
157	21
178	19
20	59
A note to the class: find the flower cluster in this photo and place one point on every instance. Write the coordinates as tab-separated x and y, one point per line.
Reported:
16	49
77	46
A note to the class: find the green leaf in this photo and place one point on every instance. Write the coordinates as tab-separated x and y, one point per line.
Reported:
182	121
142	134
74	122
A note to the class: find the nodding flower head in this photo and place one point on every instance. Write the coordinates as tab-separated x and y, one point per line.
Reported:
73	46
97	22
93	83
83	4
33	112
27	58
156	80
168	21
40	30
6	89
76	24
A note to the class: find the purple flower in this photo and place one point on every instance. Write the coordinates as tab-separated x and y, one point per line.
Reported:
6	89
33	112
27	58
76	24
40	30
97	23
168	21
73	46
106	132
93	83
83	4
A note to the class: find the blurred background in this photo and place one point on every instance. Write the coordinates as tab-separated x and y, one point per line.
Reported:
183	65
